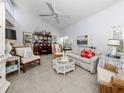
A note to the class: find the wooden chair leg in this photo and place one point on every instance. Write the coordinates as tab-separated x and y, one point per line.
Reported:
39	61
24	68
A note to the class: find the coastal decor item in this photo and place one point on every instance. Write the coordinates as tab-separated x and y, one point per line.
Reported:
27	38
82	40
118	32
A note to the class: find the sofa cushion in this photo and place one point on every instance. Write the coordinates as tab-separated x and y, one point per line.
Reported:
78	57
27	60
20	51
24	51
104	75
28	52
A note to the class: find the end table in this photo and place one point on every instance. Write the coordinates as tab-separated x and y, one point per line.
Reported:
13	64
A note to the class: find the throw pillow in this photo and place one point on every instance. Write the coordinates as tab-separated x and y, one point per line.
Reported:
91	53
87	53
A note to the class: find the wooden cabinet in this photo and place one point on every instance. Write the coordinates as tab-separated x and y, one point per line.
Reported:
42	43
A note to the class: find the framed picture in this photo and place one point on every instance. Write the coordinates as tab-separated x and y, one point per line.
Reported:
82	40
2	28
117	32
27	38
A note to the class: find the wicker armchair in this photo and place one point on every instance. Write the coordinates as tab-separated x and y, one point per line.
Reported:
115	86
57	50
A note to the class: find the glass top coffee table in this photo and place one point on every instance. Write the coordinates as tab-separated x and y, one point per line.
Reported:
63	65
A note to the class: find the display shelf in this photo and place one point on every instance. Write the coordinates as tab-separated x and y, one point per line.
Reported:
43	44
12	68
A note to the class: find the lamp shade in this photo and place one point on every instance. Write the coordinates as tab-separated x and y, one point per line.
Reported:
10	34
114	42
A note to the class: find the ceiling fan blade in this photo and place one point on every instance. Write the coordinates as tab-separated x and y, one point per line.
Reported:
65	16
45	15
50	7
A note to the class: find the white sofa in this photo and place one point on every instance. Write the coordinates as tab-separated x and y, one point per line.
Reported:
87	64
27	56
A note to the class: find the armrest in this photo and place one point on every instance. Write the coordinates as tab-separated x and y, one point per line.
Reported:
93	64
94	59
19	56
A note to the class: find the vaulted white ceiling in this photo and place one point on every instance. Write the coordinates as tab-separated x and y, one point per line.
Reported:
77	9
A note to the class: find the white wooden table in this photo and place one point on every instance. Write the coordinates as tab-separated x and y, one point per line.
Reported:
13	59
63	66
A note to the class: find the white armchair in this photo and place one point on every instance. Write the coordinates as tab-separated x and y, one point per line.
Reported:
27	56
104	75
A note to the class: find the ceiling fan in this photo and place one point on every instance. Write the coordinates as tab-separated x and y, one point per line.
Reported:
55	14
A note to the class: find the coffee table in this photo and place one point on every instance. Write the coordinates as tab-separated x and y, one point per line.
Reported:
63	65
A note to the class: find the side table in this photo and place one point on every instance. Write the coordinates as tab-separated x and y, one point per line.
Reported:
63	66
13	64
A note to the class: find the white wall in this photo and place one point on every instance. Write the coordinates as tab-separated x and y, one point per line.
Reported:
98	26
26	22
